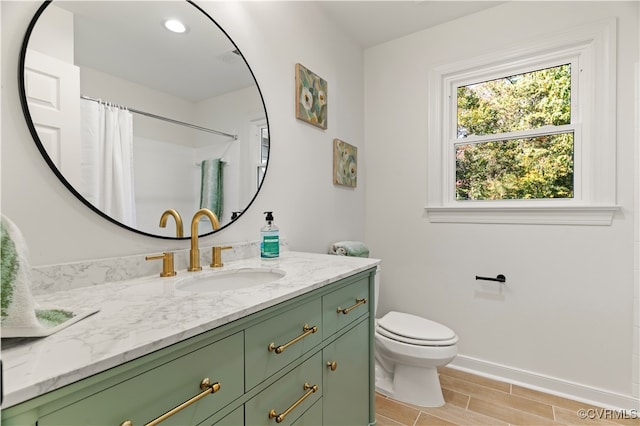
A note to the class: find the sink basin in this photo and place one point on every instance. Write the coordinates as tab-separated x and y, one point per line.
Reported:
230	280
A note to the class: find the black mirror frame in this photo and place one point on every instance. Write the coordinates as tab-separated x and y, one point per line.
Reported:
52	166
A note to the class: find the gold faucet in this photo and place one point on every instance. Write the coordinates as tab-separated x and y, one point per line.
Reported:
178	219
194	254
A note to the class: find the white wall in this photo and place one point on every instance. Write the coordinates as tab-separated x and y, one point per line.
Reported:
56	35
636	269
156	190
564	319
100	85
310	211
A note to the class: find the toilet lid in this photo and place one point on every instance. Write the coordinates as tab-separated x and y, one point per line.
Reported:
415	328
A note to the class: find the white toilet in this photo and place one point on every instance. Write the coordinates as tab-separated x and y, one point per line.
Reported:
408	350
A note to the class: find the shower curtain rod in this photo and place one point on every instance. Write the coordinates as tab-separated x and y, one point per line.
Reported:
170	120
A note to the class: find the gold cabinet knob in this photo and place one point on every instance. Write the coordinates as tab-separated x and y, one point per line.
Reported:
332	365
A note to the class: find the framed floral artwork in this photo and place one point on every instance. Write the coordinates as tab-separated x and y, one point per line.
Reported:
345	164
311	97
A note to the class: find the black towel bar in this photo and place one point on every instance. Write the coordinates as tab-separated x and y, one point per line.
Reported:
500	278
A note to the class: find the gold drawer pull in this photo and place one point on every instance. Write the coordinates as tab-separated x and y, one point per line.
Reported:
332	365
307	331
351	308
207	388
280	417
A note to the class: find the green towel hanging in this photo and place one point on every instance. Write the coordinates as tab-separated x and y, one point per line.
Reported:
211	193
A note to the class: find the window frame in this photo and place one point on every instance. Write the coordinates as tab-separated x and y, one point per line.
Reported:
591	51
505	70
256	127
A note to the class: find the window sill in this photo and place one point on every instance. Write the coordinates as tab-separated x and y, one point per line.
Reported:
530	215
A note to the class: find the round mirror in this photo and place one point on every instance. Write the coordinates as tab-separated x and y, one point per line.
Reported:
141	107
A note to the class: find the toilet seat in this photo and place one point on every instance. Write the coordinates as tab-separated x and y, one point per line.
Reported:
415	330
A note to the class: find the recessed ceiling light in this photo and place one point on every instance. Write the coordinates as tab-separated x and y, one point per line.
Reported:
175	26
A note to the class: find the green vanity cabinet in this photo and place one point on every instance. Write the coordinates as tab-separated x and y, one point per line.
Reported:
288	398
311	416
307	361
265	351
345	397
347	367
235	418
345	305
145	397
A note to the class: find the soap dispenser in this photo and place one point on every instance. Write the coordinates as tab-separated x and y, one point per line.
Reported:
269	239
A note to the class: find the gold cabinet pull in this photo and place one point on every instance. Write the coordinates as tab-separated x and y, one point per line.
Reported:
306	331
207	388
351	308
280	417
332	365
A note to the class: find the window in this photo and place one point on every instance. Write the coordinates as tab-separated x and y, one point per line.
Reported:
259	131
526	135
518	134
264	152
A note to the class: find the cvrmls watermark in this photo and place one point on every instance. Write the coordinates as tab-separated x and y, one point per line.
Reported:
607	414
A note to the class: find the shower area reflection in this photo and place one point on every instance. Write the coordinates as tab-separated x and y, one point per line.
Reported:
149	138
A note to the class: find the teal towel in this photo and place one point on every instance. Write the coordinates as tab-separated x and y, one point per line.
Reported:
349	248
211	193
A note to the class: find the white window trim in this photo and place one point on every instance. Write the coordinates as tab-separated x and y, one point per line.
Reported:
594	202
256	145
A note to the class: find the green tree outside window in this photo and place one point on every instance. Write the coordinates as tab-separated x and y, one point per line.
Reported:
516	168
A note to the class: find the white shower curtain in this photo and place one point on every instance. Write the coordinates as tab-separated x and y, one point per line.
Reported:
107	160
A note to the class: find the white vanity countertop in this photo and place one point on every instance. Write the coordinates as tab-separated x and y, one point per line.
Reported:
140	316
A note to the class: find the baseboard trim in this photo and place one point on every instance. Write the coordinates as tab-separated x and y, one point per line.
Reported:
551	385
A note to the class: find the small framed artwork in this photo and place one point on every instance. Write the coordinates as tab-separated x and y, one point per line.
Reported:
311	97
345	164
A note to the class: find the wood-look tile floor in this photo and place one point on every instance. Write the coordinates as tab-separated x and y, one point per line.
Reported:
475	400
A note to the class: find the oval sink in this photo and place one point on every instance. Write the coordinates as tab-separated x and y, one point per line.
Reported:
230	280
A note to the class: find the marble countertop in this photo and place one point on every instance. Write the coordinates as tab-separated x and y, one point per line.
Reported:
139	316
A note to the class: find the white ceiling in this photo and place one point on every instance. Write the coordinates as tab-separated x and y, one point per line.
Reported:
140	47
375	22
126	39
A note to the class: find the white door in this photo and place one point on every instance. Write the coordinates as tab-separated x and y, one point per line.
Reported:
52	89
